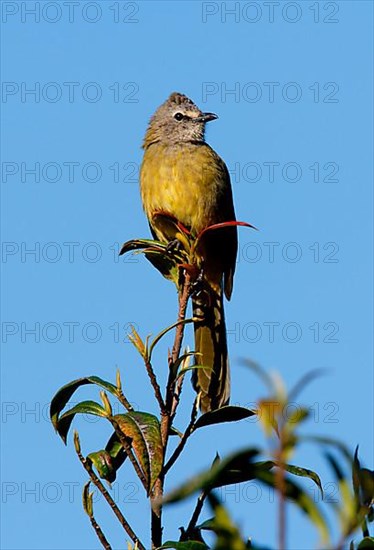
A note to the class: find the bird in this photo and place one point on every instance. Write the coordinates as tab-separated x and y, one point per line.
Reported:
182	177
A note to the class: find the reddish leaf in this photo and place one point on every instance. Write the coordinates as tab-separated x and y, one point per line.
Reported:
144	431
223	225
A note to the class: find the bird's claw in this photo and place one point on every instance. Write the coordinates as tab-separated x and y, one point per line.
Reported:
173	246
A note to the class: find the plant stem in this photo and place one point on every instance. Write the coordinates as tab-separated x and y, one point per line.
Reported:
122	399
282	510
168	412
155	385
156	512
173	389
96	481
183	441
183	301
176	396
196	513
281	486
100	535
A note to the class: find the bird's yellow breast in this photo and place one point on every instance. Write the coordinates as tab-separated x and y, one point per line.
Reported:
183	180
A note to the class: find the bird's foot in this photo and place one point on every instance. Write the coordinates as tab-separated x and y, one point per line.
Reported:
174	246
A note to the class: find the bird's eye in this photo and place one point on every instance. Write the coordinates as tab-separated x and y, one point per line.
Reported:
178	116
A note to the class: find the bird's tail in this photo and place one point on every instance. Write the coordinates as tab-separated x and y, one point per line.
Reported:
213	382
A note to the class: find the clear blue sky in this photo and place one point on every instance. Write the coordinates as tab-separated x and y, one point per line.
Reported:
292	88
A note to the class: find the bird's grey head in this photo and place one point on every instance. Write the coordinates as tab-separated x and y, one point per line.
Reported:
177	120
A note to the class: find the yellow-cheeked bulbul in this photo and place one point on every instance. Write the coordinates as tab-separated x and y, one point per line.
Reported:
183	177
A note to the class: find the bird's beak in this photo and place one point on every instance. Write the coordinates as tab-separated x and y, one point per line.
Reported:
206	117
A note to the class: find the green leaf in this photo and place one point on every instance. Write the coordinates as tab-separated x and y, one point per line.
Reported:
240	467
103	464
186	545
138	343
63	395
234	469
165	265
182	360
63	423
165	260
182	372
144	431
304	472
87	499
350	517
230	413
175	431
116	451
207	525
156	254
356	476
140	244
106	403
363	482
165	331
367	486
366	543
184	356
